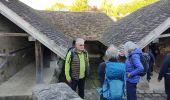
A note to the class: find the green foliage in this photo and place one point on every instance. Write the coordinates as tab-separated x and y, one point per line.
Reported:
79	5
114	11
124	9
57	6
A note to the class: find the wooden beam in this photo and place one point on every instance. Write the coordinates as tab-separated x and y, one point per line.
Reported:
6	55
164	35
39	62
14	34
30	38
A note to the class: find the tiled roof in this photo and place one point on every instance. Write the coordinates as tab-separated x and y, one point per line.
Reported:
90	25
59	27
38	22
137	25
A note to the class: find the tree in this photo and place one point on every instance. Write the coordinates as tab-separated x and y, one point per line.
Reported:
107	7
57	6
79	5
124	9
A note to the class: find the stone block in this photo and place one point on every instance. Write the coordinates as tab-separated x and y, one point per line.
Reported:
60	91
140	95
158	91
156	95
140	91
148	95
163	95
148	91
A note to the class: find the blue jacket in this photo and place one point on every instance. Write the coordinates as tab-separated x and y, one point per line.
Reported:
136	68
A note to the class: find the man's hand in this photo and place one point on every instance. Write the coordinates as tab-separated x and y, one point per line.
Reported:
69	81
154	64
159	80
129	75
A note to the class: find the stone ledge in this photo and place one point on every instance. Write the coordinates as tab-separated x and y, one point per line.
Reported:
151	95
151	91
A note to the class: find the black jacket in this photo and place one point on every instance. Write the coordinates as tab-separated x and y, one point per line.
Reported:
165	69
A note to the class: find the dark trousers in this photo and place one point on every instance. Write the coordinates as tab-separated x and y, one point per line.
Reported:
80	84
168	96
131	91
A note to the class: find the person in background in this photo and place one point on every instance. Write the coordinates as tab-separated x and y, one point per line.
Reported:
165	72
151	62
77	67
151	65
133	68
154	49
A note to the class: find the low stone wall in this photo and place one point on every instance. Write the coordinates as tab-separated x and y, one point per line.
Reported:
151	95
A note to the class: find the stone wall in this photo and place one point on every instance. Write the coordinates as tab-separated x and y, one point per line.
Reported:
164	46
151	95
21	53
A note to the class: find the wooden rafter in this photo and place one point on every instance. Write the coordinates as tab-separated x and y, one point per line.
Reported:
14	34
164	35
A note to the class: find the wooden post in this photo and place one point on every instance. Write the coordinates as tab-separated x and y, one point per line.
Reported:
39	62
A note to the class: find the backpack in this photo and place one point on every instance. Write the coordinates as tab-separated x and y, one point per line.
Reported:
144	58
114	84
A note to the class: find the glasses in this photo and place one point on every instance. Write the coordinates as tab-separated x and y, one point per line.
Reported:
81	45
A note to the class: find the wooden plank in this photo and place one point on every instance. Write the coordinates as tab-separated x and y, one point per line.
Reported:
164	35
39	62
6	55
14	34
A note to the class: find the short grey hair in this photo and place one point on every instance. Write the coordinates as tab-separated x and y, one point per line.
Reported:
112	52
79	40
129	46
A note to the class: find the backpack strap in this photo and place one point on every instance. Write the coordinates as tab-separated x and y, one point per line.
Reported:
72	50
106	65
85	53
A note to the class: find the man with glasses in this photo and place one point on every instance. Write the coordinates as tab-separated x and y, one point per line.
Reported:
77	67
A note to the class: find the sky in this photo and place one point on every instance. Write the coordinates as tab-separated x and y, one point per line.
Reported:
42	4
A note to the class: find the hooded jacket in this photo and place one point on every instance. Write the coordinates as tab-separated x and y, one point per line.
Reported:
136	68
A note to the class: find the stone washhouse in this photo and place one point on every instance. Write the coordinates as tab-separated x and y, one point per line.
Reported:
33	45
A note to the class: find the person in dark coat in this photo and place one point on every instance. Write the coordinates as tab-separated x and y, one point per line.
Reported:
165	72
151	64
154	49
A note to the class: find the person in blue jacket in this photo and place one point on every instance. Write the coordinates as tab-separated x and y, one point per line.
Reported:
133	68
